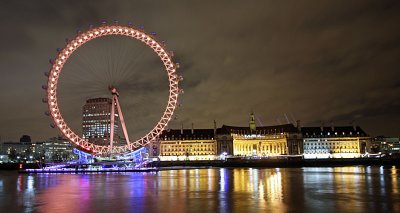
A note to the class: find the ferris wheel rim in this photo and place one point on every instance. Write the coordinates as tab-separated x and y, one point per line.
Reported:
103	31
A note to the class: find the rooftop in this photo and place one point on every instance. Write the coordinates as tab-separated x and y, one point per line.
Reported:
354	131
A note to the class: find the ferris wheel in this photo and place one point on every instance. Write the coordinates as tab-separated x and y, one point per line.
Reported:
107	30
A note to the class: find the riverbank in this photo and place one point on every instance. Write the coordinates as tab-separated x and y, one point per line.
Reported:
87	170
261	163
16	166
282	163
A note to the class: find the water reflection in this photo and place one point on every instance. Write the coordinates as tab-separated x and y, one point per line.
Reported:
339	189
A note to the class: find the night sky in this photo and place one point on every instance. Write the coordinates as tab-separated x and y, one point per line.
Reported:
331	61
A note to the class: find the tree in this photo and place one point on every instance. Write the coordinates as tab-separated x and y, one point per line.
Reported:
12	155
25	138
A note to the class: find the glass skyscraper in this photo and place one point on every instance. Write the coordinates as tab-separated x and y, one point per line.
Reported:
96	121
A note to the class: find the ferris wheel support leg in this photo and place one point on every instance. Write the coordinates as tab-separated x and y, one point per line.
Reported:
121	119
112	124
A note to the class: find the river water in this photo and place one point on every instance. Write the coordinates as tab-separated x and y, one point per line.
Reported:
337	189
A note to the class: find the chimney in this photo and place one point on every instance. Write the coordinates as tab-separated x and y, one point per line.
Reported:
298	125
181	128
192	129
332	126
322	126
353	122
215	128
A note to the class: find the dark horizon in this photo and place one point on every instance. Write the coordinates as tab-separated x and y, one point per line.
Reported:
300	60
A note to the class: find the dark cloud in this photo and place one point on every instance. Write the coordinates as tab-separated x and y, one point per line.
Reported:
306	60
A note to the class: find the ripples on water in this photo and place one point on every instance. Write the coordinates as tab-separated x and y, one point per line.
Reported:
339	189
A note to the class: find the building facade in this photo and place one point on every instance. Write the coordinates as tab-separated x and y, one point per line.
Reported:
265	141
186	144
224	142
17	151
385	145
55	149
96	122
334	142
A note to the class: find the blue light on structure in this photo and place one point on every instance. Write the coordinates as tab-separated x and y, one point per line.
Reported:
138	156
84	157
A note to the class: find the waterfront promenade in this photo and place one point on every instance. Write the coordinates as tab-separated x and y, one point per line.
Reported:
235	162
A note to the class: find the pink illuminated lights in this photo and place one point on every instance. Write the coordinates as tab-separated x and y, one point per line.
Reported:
111	30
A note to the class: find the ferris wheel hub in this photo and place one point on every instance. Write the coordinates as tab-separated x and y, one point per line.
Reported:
113	90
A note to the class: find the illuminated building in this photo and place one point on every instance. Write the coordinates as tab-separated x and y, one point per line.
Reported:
266	140
385	145
57	149
16	149
334	142
22	150
97	121
187	144
54	149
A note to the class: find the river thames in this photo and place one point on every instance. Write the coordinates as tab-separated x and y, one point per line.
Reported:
327	189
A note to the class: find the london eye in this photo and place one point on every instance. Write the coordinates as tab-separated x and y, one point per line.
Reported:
94	33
